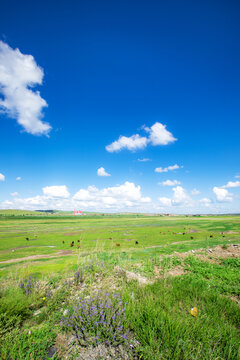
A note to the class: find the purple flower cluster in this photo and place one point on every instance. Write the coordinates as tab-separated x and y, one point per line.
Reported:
93	265
27	285
98	319
78	277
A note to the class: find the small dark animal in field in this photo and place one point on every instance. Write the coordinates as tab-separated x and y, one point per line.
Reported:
72	244
27	239
63	241
223	236
160	232
110	238
192	237
117	244
136	242
78	240
211	236
183	233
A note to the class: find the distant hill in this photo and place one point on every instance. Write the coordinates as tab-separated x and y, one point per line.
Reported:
13	212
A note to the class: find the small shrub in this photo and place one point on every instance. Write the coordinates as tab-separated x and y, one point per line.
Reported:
99	319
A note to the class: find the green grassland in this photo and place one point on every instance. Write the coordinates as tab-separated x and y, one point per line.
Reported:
160	266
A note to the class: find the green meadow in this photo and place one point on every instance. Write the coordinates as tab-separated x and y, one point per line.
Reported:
119	286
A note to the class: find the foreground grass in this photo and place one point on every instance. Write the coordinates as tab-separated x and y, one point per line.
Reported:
158	314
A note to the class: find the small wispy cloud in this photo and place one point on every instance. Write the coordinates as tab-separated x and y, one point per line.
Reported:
195	192
166	169
2	177
13	194
18	178
144	160
205	202
169	183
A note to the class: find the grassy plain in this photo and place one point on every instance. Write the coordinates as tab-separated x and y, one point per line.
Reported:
160	266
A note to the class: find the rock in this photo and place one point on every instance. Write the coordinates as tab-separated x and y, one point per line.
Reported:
37	312
51	352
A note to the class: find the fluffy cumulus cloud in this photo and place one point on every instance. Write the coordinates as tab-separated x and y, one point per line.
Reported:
232	184
125	197
102	172
2	177
18	178
157	135
180	198
19	73
170	183
166	169
132	143
222	195
195	192
56	191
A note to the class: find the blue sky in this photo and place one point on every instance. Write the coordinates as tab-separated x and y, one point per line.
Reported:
163	75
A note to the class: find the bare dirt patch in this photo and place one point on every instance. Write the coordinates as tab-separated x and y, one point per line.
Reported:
211	255
73	233
230	232
133	276
177	271
35	257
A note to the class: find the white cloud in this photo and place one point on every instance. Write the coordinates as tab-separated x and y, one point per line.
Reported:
179	198
144	160
56	191
165	201
18	74
2	177
15	194
132	143
195	192
205	202
222	194
158	135
125	197
170	183
116	197
166	169
237	176
232	184
102	172
18	178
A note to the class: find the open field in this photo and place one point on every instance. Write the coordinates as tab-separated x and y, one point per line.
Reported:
161	267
